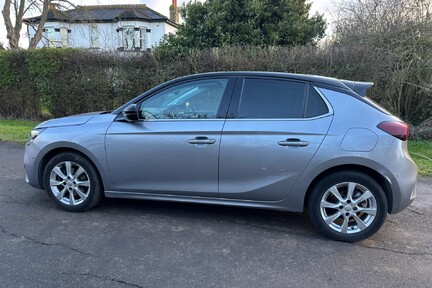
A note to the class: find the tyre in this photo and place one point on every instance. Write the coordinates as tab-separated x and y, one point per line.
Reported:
347	206
73	182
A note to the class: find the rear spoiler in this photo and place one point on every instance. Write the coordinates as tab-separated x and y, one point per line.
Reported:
358	87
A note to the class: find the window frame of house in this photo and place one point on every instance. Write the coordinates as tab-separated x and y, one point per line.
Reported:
64	36
143	38
50	36
139	41
94	36
125	40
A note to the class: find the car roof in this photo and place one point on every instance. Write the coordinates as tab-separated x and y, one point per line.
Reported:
293	76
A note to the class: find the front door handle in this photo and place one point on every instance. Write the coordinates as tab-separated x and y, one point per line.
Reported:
293	142
201	140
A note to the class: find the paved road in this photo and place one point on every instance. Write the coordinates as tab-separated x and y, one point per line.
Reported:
125	243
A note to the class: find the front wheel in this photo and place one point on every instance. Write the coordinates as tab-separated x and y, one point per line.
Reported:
72	182
348	206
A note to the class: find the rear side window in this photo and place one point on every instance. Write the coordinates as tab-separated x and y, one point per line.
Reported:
268	98
315	104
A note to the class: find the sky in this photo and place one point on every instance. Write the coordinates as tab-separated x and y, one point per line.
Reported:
161	6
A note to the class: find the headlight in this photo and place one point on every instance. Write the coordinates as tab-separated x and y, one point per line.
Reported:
35	133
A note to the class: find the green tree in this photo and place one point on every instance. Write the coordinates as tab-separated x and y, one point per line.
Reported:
217	23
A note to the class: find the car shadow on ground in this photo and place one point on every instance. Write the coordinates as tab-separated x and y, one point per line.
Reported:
269	220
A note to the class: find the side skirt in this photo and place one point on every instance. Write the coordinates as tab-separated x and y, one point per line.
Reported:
201	200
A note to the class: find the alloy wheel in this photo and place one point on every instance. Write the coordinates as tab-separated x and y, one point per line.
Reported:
70	183
348	207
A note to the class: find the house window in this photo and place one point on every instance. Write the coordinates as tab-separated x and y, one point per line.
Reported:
50	36
64	36
143	38
94	36
129	38
133	38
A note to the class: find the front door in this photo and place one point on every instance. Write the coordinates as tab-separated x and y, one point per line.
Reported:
174	147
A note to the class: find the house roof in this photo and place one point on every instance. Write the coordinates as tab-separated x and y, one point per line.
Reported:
104	13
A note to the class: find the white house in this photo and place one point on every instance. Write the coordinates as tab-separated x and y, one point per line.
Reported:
105	27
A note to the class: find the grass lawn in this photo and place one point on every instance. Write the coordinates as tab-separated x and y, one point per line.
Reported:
17	131
421	153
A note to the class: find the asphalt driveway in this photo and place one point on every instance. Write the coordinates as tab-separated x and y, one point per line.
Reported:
124	243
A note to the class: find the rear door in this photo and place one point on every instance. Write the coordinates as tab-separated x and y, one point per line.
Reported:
273	130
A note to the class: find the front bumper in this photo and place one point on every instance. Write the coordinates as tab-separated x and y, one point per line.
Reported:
31	165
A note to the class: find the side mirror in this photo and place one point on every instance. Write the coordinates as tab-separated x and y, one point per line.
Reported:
130	113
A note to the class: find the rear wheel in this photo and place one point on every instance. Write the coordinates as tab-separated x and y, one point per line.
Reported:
348	206
73	182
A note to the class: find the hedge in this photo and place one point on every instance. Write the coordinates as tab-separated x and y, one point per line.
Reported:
48	83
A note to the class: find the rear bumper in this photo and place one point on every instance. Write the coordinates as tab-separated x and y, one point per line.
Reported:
402	176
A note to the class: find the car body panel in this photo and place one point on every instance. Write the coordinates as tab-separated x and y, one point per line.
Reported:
252	163
88	139
155	156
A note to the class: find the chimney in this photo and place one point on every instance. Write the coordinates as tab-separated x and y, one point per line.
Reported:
52	6
174	12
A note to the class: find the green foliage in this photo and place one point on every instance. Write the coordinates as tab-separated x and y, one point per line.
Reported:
216	23
43	63
7	75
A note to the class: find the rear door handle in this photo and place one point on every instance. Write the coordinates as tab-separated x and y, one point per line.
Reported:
293	142
201	140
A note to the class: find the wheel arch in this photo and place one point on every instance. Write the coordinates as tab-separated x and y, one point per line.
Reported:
63	149
378	177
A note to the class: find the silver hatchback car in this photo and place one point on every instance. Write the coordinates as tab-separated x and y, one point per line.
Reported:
254	139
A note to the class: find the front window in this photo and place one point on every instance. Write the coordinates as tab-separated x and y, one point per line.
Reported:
194	100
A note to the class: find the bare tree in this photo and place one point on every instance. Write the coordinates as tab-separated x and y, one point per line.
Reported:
38	35
20	8
399	33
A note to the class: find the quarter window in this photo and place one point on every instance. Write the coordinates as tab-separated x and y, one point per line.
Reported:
194	100
315	104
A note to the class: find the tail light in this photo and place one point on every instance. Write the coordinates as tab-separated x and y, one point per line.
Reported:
396	129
